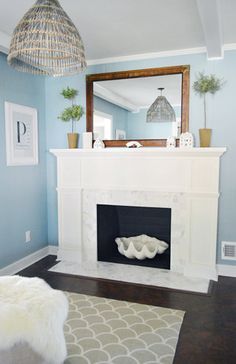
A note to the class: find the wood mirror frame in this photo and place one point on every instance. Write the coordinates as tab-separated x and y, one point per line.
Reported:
148	72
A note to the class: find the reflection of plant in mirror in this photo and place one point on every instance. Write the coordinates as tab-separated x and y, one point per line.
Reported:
74	112
207	84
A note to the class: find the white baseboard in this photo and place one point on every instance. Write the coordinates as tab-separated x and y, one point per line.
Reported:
28	260
226	270
52	250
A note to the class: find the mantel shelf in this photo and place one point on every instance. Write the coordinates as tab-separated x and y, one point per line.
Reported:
135	152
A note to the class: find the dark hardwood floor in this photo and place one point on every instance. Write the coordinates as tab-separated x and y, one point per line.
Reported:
208	334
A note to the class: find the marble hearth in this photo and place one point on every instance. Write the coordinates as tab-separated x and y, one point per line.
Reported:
184	180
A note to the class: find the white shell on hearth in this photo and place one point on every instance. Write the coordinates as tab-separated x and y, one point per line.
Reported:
140	247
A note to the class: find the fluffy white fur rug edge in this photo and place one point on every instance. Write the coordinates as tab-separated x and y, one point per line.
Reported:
32	312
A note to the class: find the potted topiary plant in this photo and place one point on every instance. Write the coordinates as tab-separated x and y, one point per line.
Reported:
206	84
73	114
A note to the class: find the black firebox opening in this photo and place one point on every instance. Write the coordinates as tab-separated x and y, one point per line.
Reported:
126	221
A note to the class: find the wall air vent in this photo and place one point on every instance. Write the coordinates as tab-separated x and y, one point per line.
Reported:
228	250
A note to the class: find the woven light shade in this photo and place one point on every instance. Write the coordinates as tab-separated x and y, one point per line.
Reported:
161	110
46	42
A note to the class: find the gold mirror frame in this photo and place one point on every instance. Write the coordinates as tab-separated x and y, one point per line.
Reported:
148	72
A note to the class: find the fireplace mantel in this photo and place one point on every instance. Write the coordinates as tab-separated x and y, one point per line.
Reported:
185	180
137	152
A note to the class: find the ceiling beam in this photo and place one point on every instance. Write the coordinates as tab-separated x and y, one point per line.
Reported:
209	12
112	97
5	40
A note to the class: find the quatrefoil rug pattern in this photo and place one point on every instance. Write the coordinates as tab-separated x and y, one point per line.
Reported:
100	330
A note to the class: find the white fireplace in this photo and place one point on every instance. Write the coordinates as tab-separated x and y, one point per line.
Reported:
184	180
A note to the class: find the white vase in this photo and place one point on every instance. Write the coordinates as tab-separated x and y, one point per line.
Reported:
87	140
98	144
171	142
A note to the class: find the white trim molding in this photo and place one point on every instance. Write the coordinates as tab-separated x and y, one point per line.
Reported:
230	47
5	41
28	260
52	250
226	270
152	55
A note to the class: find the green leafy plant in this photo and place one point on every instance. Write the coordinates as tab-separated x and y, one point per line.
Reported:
207	84
69	93
74	112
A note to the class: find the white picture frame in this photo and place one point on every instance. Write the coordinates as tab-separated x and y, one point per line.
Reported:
21	126
120	134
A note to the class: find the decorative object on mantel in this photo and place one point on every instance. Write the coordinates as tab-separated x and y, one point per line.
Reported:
206	84
73	114
133	144
87	140
98	144
171	142
161	110
141	247
46	42
186	140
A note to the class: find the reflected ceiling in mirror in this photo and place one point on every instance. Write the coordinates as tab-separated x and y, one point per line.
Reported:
117	105
120	108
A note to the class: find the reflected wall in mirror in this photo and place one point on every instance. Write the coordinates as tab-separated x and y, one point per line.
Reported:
118	102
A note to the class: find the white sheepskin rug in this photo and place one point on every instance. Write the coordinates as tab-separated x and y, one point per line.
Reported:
34	313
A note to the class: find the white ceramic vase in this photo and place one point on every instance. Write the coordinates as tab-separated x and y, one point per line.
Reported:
98	144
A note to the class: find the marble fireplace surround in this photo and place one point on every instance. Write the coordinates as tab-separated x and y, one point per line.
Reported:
185	180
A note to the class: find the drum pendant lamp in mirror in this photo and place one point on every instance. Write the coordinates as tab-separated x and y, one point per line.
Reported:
161	110
47	42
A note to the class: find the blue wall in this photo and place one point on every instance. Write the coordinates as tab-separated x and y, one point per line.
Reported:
56	136
119	114
22	189
221	118
24	204
138	128
134	124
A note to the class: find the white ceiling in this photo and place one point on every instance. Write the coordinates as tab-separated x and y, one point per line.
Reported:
116	28
142	92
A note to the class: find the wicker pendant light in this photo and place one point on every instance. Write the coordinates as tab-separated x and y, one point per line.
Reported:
46	42
161	110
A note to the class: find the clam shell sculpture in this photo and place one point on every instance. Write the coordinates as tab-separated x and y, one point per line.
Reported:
140	247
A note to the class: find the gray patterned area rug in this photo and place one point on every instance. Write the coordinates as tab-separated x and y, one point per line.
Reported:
100	330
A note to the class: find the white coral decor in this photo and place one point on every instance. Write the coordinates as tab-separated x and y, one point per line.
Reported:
140	247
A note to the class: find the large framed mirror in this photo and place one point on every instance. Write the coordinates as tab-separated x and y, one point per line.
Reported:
147	105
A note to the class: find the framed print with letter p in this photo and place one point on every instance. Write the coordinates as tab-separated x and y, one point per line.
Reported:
21	135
